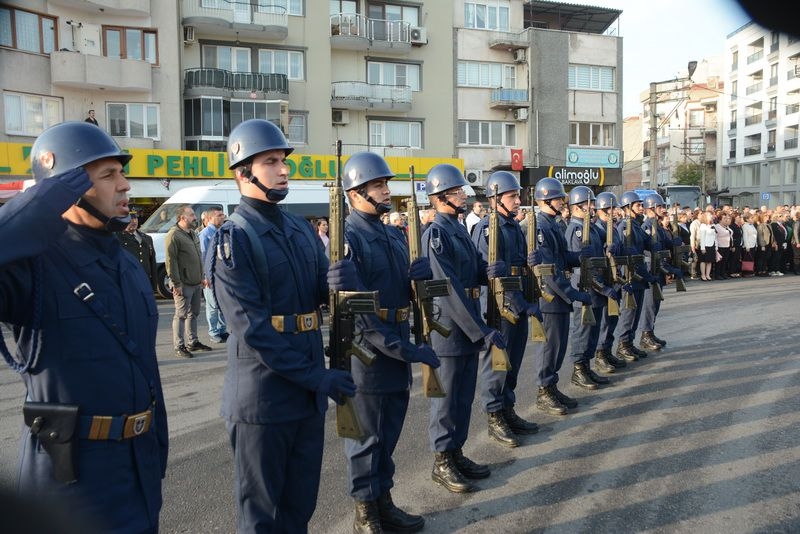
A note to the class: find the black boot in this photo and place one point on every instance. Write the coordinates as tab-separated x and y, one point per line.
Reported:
626	353
580	377
547	401
447	474
500	431
647	342
602	364
517	424
569	402
396	520
367	518
468	468
610	358
639	352
658	339
597	379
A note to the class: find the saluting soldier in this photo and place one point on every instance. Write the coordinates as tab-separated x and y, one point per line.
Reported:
453	255
85	322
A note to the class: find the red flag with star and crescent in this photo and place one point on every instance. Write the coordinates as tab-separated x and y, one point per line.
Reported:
516	159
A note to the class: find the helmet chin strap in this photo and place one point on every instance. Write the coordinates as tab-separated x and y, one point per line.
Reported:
273	195
111	224
380	207
509	212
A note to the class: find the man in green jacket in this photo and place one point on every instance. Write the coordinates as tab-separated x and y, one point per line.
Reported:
185	270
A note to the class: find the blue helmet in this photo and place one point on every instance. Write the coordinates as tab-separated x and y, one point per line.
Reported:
504	180
548	188
70	145
442	177
580	194
629	198
604	200
653	200
252	137
363	167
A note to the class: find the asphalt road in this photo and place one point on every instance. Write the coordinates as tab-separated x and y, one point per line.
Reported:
701	437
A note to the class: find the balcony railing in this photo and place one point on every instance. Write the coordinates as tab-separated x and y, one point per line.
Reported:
792	108
509	98
362	95
359	26
752	150
756	87
753	119
790	143
508	40
260	19
236	81
755	56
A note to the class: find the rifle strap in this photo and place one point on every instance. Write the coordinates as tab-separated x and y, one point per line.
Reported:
259	256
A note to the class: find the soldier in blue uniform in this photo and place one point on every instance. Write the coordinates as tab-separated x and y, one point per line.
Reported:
553	255
269	278
497	387
655	208
584	337
453	255
381	256
638	243
604	359
85	322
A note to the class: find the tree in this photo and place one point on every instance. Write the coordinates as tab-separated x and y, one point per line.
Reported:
688	174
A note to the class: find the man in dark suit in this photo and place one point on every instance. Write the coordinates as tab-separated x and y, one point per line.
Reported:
91	118
141	246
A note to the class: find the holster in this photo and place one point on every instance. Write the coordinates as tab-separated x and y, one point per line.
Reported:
55	425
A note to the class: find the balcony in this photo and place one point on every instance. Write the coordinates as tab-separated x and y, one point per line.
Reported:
756	87
753	119
218	82
752	150
83	71
508	41
357	32
125	8
790	143
247	20
755	56
363	96
509	99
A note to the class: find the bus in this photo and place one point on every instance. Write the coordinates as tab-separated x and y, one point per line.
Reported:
685	195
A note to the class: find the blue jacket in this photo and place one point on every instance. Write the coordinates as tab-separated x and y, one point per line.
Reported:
80	360
552	243
640	241
272	376
574	236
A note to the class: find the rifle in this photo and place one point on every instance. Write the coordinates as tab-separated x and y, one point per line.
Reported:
631	264
655	261
424	293
678	254
587	273
612	274
497	288
344	306
532	291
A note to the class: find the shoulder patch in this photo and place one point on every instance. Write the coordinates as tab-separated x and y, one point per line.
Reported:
486	231
540	237
436	241
578	233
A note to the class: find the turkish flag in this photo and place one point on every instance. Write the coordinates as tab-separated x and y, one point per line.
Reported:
516	159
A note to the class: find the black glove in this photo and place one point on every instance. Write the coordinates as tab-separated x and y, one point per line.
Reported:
535	257
342	276
424	354
586	252
495	338
583	297
516	303
650	279
656	247
610	292
337	385
615	249
629	251
678	273
497	269
534	310
627	288
677	242
420	269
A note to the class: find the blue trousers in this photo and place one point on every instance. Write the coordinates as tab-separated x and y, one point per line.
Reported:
649	312
450	416
549	354
584	337
216	322
497	387
629	319
608	324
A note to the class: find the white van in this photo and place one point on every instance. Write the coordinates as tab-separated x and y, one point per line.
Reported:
307	200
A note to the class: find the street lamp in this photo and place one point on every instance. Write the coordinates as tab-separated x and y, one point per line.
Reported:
654	92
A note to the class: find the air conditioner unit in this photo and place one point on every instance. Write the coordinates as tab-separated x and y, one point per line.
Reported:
188	34
520	55
521	114
340	116
474	176
418	35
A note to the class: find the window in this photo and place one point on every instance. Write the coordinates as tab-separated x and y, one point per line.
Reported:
31	114
130	43
394	12
27	31
697	146
209	120
232	58
696	118
293	7
591	77
485	133
285	62
490	15
395	134
735	60
591	134
133	120
393	74
298	129
342	6
492	75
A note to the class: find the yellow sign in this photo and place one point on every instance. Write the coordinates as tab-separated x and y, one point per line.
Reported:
193	165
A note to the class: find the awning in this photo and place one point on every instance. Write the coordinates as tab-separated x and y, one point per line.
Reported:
9	189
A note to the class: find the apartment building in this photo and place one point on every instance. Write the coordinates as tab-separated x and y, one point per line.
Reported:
528	86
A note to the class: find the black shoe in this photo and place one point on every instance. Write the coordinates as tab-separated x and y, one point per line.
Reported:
367	518
640	353
580	377
658	339
610	358
602	364
547	401
447	474
626	353
468	468
597	379
569	402
647	342
395	519
199	346
181	352
517	424
500	431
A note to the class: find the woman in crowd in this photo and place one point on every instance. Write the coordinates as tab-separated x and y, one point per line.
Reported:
708	245
779	245
764	244
322	232
724	235
749	242
735	257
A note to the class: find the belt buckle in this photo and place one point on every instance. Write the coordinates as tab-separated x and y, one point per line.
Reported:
136	425
278	323
306	322
402	315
